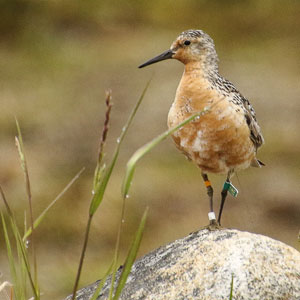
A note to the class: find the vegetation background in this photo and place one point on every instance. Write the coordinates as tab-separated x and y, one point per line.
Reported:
57	58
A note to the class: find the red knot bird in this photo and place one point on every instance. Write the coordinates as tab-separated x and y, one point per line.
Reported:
226	138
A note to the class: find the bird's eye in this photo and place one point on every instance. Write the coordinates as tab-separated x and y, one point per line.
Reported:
187	42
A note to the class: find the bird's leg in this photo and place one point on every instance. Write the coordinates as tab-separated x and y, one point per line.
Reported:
224	195
210	192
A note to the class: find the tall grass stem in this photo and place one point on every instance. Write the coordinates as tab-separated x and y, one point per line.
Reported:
20	147
100	184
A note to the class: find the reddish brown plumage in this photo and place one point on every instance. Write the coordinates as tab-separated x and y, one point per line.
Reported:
219	140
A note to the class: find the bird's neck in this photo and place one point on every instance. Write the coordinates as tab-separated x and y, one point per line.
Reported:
201	70
196	84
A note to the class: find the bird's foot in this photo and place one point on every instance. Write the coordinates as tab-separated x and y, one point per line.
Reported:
213	225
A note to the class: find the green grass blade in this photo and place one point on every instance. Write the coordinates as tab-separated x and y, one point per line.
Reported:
22	253
8	209
113	278
11	260
43	214
20	147
231	288
146	148
101	283
131	256
98	174
101	187
21	263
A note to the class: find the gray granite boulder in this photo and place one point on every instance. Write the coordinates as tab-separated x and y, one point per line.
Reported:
202	265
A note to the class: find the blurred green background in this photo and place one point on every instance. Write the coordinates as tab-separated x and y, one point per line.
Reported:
57	58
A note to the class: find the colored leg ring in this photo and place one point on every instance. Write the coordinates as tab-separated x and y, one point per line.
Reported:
207	183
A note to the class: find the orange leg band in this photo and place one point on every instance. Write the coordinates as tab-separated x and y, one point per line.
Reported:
207	183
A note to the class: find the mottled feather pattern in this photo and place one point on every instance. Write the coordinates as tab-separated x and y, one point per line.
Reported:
227	89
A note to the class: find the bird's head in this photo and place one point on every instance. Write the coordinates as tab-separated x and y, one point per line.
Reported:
190	46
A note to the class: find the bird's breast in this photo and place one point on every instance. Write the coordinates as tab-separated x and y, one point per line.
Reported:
218	140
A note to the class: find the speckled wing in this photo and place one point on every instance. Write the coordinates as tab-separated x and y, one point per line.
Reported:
255	132
250	116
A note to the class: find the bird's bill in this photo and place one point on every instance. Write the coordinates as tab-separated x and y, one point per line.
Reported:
165	55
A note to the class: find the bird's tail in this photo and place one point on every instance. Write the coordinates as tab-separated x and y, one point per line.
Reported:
257	163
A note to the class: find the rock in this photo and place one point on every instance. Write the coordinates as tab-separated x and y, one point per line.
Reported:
202	265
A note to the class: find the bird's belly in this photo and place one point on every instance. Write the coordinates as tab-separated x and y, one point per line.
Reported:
217	142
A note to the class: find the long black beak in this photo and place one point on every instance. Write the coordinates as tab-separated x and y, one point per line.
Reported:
165	55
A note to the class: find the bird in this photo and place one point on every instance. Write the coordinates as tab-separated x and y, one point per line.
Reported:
226	138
